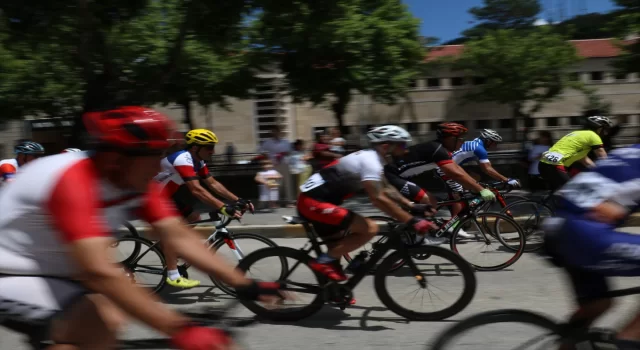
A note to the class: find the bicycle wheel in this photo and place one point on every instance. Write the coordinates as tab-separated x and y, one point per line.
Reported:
251	242
530	215
147	268
508	199
379	239
440	263
507	239
535	322
297	259
133	232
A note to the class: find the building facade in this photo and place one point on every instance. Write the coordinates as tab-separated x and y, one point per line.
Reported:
430	100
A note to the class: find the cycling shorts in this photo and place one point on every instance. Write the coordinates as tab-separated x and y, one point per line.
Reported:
452	186
407	188
555	175
591	251
187	203
327	218
29	304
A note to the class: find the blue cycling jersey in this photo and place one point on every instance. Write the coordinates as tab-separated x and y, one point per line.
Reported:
616	179
471	152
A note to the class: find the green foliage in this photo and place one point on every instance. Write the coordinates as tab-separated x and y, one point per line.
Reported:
628	24
503	14
330	48
519	68
595	102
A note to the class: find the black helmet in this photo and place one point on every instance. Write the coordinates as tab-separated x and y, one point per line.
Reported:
29	147
597	121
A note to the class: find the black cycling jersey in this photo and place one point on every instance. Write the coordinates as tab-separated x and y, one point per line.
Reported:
420	158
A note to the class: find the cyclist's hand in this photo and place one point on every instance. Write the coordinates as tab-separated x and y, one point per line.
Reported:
487	195
422	225
422	209
201	338
245	204
229	211
514	183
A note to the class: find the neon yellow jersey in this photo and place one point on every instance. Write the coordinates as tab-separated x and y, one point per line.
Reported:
572	147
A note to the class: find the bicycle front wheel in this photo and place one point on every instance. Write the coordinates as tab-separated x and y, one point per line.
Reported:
542	332
489	250
530	215
146	268
430	280
238	245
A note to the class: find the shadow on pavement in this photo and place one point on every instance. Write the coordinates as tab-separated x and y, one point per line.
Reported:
175	296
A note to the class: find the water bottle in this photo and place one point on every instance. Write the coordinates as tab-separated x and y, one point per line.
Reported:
474	202
357	261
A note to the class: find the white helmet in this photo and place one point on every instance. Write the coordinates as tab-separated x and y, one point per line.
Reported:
597	121
491	135
388	133
68	150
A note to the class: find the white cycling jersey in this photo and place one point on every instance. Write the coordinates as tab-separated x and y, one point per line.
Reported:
179	167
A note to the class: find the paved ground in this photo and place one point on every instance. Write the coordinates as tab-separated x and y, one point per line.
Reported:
530	284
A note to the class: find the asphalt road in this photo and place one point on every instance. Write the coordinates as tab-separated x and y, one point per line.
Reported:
529	284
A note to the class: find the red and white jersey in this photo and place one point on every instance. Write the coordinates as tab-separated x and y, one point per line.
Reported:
178	168
60	199
8	168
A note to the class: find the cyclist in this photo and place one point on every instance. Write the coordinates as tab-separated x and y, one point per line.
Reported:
25	151
432	155
181	176
321	195
573	147
69	150
57	278
583	237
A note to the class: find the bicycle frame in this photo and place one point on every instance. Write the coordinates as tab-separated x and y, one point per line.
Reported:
464	213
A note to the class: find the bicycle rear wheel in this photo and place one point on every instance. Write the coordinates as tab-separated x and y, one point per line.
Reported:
440	263
147	268
241	245
507	240
311	289
530	215
483	339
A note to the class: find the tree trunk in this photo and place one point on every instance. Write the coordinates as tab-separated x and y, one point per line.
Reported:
186	104
339	106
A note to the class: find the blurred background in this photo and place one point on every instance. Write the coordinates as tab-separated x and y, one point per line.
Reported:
322	72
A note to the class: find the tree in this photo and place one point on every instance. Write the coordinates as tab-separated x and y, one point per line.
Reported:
521	71
595	102
503	14
628	24
329	49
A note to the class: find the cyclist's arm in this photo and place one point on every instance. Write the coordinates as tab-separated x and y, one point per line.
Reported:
395	195
456	173
485	164
219	188
600	153
379	198
202	194
587	162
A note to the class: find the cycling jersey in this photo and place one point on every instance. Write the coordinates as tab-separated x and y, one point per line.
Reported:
8	168
421	158
178	168
55	201
471	152
572	147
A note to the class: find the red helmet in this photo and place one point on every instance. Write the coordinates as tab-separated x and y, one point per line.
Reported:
451	129
136	130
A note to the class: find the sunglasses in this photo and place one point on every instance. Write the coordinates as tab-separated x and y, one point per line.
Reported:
209	147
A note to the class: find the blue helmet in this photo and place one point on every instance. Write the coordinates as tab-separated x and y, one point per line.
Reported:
29	147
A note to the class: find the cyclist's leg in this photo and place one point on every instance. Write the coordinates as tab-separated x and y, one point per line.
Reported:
555	175
454	189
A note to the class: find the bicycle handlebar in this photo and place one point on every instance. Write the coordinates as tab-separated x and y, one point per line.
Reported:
497	185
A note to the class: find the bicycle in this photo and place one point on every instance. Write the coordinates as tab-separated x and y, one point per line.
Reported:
530	214
582	338
135	263
469	215
322	290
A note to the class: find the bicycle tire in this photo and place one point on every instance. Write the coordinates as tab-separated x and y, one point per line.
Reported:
224	287
521	240
279	315
470	284
380	239
133	232
508	199
490	317
130	264
509	208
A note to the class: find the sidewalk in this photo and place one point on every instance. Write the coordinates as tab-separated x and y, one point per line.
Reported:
271	224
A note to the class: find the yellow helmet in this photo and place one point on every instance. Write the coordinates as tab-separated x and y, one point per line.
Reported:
201	137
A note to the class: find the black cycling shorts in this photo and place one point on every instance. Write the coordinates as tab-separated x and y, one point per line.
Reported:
407	188
555	175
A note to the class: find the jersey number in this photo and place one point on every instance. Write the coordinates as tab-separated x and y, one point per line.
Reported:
314	181
553	157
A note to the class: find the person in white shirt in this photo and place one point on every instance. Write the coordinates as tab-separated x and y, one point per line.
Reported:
540	145
300	169
337	142
278	150
269	183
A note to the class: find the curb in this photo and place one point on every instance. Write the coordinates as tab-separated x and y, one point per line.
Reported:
297	231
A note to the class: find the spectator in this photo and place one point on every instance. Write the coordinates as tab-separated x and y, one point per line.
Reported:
229	152
269	185
322	154
337	142
298	165
540	145
278	149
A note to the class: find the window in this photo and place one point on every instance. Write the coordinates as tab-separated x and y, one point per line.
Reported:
621	76
269	111
506	123
413	83
596	76
529	122
412	127
479	80
433	126
574	76
433	83
461	122
457	81
483	124
262	104
553	121
622	119
575	120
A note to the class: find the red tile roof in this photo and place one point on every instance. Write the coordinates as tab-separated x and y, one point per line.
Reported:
589	48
